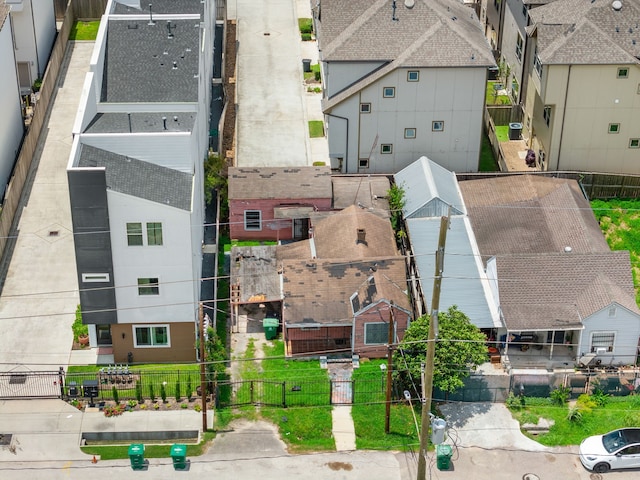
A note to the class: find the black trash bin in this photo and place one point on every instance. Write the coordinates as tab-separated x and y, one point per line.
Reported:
515	131
306	64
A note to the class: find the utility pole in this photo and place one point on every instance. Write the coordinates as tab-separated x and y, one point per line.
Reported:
387	417
431	349
203	376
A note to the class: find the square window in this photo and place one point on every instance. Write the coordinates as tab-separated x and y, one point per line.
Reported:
437	126
253	220
386	148
413	76
363	163
148	286
154	233
376	333
623	72
409	133
365	108
614	128
634	143
134	234
151	335
389	92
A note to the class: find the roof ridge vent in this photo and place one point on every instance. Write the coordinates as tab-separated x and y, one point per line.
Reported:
616	5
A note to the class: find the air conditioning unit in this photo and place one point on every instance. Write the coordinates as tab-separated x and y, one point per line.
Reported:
601	351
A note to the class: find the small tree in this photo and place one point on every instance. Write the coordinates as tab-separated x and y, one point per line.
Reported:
178	391
163	392
397	201
189	388
215	178
152	393
139	392
114	392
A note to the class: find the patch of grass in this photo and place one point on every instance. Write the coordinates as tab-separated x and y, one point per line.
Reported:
84	30
492	99
502	132
316	128
305	25
303	429
567	432
119	452
487	158
276	367
245	243
620	221
369	424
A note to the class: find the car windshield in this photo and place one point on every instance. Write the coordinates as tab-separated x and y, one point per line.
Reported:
614	440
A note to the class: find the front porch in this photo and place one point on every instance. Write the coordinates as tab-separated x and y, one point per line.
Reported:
549	357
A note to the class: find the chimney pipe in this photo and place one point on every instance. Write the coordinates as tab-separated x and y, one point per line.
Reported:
164	122
151	22
362	236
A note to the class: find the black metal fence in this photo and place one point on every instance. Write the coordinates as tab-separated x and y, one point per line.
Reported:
28	384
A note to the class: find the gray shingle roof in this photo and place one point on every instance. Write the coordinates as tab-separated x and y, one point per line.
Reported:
279	182
254	269
369	191
139	61
140	179
531	214
555	291
141	122
123	7
587	32
437	32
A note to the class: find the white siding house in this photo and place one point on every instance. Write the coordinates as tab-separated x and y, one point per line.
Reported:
11	125
402	82
613	334
136	174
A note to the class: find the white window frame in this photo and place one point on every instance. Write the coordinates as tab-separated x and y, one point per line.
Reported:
623	72
519	46
546	114
634	143
386	325
437	126
384	92
386	146
614	128
363	163
365	108
609	347
259	220
537	64
134	235
148	285
147	225
415	73
95	278
150	326
410	133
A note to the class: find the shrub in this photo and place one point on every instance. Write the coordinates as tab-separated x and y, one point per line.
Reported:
152	393
156	406
139	391
189	389
163	393
306	37
515	403
132	403
37	85
197	407
560	395
305	25
184	405
79	329
143	407
114	392
574	415
178	391
113	411
586	403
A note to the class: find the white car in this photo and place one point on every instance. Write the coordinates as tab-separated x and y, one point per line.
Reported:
613	450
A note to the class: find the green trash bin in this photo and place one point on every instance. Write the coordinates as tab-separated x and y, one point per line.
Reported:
270	328
179	456
443	456
136	455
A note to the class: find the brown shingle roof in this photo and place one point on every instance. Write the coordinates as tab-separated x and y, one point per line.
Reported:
279	182
255	270
556	291
531	214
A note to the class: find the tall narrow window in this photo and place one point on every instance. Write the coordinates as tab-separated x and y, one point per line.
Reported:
134	234
154	233
546	114
519	44
537	64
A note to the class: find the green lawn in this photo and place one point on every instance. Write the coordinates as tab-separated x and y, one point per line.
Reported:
245	243
619	412
487	159
84	30
492	99
150	451
620	223
502	132
316	128
303	429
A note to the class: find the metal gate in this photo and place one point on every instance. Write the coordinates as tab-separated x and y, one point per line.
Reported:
341	392
22	383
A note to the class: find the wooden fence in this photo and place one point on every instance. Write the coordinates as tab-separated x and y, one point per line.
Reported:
504	114
84	9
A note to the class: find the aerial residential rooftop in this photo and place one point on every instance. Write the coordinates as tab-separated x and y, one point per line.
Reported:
161	7
145	122
279	182
151	63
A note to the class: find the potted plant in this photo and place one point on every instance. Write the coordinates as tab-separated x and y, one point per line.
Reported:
80	330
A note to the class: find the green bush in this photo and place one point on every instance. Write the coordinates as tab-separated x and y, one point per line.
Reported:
152	393
574	415
178	391
189	389
79	328
515	403
316	75
139	391
163	393
305	25
114	392
586	403
560	395
306	37
37	85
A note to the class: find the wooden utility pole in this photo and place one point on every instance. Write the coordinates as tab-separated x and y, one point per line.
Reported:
387	417
431	348
203	375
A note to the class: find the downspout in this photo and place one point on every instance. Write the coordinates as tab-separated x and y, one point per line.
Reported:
346	157
564	115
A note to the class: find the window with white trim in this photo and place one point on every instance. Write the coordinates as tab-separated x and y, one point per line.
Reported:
437	126
151	336
365	108
148	286
386	148
154	233
413	76
389	92
363	163
95	277
134	234
623	72
546	114
537	64
376	333
602	340
634	143
253	220
614	128
410	133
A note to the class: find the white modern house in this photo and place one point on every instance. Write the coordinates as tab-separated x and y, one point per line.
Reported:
136	178
402	80
34	31
11	124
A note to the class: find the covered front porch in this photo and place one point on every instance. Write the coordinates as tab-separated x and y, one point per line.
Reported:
541	349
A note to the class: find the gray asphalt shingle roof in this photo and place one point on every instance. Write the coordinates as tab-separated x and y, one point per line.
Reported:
587	32
140	179
142	64
150	122
137	7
